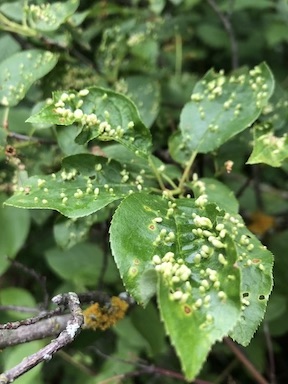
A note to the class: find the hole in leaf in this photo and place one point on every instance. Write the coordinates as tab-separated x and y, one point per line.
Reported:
245	294
261	297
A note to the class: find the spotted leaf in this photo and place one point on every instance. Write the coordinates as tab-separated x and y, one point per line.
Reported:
255	263
103	114
85	184
48	17
221	107
20	71
268	148
195	259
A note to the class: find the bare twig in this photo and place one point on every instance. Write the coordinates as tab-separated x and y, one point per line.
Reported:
36	331
145	369
270	353
41	280
73	327
228	27
42	140
18	308
32	320
247	364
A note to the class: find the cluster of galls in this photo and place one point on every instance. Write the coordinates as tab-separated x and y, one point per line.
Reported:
175	274
69	107
213	88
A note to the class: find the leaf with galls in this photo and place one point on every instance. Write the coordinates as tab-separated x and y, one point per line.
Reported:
222	106
102	114
195	259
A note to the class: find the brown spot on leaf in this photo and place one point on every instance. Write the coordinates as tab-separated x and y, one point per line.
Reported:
187	310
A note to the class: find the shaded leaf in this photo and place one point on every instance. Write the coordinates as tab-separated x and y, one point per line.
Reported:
145	92
80	264
20	71
18	297
14	224
221	107
68	232
178	149
154	334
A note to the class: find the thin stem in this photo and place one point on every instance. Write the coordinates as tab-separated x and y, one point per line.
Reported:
178	55
18	308
270	353
41	280
10	26
228	26
81	367
5	124
171	182
24	18
247	364
226	371
145	368
26	138
157	173
187	170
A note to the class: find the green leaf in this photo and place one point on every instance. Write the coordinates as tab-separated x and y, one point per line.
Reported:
154	334
20	71
17	354
14	224
216	192
13	10
48	17
85	184
68	232
8	46
178	149
17	297
268	148
214	276
103	114
80	264
255	263
246	4
221	107
66	140
145	92
212	35
197	284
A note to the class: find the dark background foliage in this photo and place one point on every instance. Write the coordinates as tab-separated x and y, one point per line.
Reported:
154	52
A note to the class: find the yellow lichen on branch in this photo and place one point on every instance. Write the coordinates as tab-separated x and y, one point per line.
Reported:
104	317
